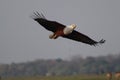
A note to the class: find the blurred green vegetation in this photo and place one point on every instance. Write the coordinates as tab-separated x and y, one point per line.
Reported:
58	67
77	77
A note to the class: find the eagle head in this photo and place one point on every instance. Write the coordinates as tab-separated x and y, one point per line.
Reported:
72	26
68	29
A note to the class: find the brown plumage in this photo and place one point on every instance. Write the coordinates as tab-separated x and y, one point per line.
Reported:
58	30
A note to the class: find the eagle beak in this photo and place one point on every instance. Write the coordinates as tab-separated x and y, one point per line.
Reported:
74	26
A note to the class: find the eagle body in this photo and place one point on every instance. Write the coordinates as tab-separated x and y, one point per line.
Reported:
64	31
68	29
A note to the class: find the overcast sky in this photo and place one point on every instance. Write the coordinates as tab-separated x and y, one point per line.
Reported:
22	39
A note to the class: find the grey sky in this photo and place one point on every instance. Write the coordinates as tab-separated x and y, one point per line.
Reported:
22	39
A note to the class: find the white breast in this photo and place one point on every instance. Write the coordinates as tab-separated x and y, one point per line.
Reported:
68	30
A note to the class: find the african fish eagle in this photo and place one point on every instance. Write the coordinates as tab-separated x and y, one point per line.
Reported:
59	29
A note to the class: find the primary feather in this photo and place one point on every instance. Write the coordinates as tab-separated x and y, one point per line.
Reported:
47	24
77	36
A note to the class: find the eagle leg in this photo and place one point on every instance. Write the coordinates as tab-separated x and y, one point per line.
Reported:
56	34
53	36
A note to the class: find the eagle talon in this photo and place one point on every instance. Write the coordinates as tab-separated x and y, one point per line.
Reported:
53	36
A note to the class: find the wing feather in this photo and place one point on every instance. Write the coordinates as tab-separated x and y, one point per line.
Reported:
47	24
77	36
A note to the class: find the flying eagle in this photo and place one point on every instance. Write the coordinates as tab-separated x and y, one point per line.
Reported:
59	29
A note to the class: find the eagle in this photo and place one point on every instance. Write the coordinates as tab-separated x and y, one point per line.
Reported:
60	30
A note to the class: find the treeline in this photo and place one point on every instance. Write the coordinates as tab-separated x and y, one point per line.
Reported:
77	65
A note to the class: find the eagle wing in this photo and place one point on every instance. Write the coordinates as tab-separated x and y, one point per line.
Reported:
77	36
47	24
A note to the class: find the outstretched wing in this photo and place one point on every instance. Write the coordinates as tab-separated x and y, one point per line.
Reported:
49	25
77	36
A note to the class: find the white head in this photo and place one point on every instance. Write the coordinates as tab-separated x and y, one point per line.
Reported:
73	26
69	29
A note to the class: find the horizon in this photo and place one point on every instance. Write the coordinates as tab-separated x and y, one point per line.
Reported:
67	59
